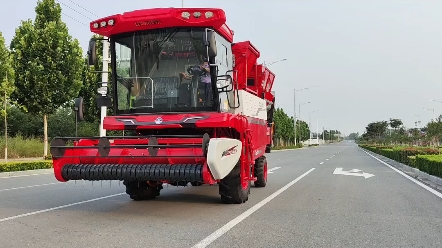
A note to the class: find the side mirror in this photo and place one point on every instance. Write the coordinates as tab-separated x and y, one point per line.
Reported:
92	52
79	109
210	43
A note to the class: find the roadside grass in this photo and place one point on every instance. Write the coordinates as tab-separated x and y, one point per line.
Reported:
20	147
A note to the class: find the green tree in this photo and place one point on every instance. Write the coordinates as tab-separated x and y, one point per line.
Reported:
303	131
353	136
6	74
395	123
88	91
48	63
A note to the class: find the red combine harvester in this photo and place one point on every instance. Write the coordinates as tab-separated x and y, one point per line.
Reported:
199	107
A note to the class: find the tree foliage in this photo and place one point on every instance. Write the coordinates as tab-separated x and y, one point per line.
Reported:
376	129
6	72
284	128
395	123
353	136
91	78
47	60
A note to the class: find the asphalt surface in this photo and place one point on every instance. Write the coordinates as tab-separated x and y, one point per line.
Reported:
303	205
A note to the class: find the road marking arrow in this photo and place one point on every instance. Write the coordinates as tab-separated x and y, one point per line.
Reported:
354	172
272	169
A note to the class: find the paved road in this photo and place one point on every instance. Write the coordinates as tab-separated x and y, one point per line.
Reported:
304	205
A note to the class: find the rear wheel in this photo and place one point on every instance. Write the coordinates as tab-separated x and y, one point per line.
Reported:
139	191
260	172
234	188
268	149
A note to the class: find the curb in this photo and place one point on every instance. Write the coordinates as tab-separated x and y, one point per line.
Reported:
423	177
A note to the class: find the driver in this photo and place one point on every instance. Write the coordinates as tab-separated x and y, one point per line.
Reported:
202	71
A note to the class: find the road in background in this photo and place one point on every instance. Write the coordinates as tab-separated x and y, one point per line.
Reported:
304	205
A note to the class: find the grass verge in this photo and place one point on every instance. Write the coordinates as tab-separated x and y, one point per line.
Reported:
20	147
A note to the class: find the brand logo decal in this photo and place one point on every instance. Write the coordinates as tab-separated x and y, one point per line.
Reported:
147	23
230	151
158	120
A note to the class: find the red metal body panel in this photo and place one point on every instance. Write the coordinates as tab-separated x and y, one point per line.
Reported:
246	56
257	127
146	19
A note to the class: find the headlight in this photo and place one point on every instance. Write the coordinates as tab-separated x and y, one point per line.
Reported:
209	14
185	15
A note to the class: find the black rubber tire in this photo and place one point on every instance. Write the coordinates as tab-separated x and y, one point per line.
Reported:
268	149
230	188
261	181
139	191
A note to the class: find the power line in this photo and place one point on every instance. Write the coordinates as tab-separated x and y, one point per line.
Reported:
83	8
75	19
74	10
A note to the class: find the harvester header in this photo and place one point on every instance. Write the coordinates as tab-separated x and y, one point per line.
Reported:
193	107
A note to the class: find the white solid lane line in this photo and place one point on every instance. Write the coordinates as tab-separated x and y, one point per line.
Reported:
26	175
59	207
273	169
221	231
32	186
407	176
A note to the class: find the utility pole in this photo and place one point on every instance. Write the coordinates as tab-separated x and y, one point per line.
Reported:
104	81
434	118
6	127
309	129
294	113
317	131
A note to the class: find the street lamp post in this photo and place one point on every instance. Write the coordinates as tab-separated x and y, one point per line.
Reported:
274	62
294	110
309	126
432	100
299	110
317	129
434	119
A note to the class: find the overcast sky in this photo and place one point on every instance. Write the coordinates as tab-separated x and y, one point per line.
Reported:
363	61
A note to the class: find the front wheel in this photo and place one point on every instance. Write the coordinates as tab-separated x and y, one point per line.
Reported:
234	188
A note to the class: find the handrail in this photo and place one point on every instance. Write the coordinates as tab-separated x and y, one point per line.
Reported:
151	81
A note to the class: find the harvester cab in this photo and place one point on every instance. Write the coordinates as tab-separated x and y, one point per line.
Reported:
199	107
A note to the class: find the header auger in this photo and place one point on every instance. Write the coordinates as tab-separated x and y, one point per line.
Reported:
198	106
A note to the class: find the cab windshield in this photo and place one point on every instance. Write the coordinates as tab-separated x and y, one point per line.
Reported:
162	70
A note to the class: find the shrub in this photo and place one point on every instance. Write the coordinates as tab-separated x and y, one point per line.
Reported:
425	159
22	166
432	164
